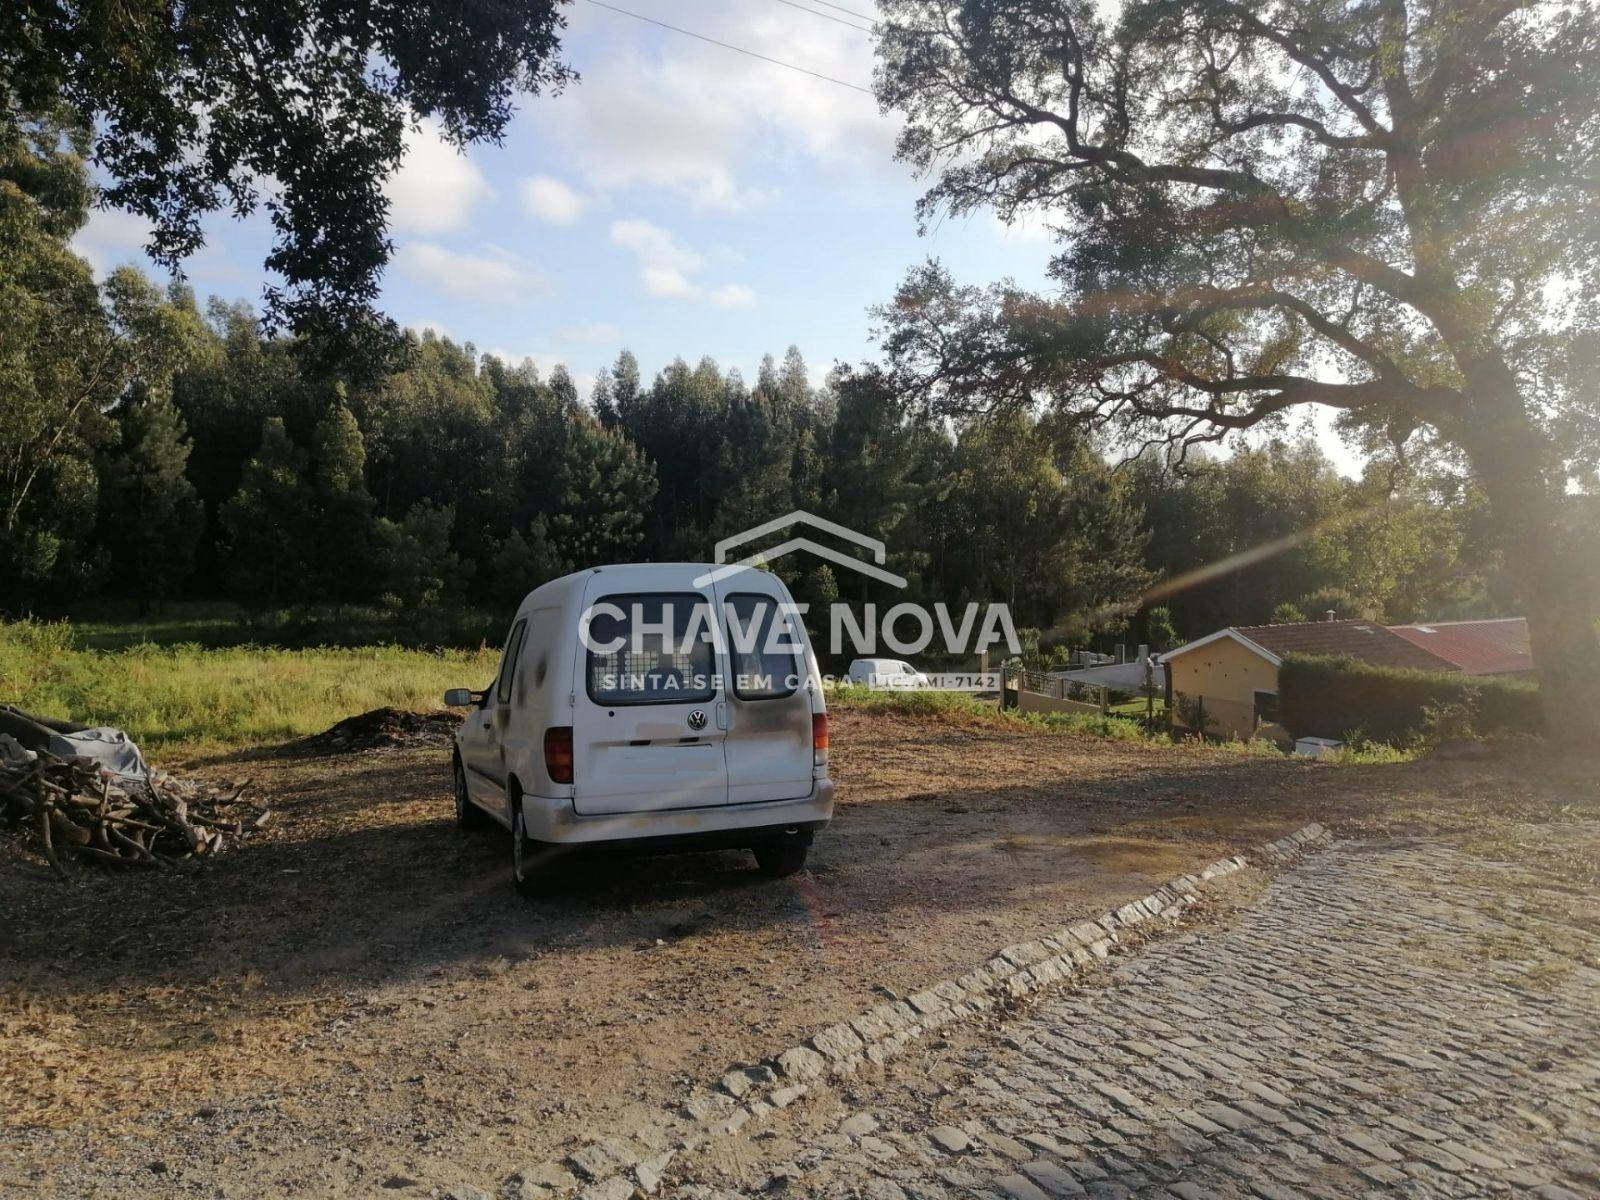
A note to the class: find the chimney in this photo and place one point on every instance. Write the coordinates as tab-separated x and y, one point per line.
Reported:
1331	615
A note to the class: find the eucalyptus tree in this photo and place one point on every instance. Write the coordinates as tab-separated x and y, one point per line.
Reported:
70	352
1057	537
1390	207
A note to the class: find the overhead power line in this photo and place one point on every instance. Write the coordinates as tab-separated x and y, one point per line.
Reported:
828	17
847	11
700	37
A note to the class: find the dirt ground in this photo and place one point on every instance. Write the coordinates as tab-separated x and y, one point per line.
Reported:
358	1003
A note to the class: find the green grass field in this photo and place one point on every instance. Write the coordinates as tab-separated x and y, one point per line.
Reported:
185	699
182	699
215	624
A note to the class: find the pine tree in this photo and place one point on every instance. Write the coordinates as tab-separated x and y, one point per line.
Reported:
341	545
818	589
266	524
151	515
603	489
417	569
522	562
872	479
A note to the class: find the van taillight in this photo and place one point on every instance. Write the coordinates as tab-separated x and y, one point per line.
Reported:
558	753
819	738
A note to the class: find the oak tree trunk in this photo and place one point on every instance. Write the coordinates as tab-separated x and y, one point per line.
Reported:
1520	473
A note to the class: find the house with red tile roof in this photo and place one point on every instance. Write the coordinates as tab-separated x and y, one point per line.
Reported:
1233	673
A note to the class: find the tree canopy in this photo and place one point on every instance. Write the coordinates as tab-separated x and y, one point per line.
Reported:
70	350
156	449
299	107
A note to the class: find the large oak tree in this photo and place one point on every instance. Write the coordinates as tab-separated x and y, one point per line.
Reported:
1390	207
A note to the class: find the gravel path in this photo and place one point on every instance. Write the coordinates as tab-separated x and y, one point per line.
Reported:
1391	1018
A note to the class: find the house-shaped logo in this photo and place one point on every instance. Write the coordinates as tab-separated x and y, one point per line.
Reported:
729	546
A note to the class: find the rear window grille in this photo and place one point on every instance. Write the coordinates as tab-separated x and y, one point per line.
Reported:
653	669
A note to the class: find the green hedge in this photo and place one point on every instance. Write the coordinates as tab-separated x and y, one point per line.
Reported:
1333	697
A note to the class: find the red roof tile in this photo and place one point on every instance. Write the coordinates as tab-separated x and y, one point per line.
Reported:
1366	641
1497	647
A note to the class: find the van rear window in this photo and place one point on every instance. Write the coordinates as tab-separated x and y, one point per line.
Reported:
650	648
764	647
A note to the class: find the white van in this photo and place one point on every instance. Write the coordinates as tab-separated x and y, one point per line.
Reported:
885	673
689	716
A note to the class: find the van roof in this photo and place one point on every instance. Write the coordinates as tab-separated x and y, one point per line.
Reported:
653	574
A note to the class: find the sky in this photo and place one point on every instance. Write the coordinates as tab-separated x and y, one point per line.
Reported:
680	199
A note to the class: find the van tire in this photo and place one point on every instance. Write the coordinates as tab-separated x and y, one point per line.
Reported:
527	875
468	814
780	857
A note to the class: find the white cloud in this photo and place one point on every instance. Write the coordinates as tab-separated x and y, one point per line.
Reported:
654	246
497	279
112	238
548	199
627	133
667	281
596	333
733	295
667	113
665	265
436	187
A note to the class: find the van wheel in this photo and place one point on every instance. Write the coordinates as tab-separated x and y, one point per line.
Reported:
526	873
468	814
783	855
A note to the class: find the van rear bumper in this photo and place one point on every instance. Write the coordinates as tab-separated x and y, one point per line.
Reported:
555	821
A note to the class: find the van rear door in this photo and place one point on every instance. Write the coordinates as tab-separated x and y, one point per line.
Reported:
768	692
644	717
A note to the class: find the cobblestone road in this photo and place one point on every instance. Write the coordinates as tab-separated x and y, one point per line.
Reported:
1387	1019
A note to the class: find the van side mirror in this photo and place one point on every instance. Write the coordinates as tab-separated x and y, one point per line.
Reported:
460	698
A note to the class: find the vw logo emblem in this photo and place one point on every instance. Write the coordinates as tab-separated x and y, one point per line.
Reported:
697	719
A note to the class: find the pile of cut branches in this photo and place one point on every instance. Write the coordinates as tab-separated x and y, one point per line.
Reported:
76	811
